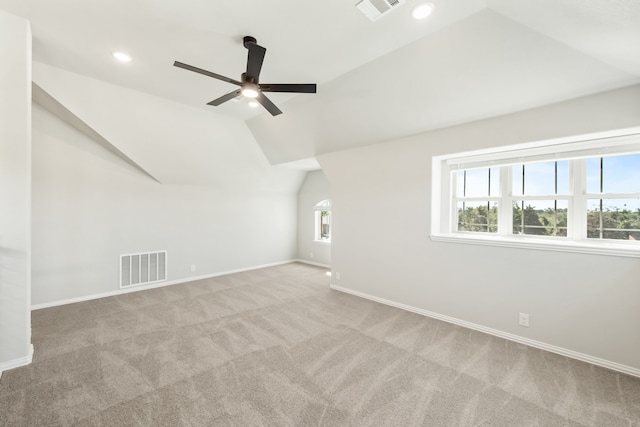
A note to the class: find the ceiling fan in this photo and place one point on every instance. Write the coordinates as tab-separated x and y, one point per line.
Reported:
249	83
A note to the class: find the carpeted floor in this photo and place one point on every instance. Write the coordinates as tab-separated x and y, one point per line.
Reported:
277	347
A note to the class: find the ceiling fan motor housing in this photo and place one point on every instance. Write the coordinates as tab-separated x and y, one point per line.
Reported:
248	79
249	40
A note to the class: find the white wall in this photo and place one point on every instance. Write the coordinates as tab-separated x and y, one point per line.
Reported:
314	189
90	206
381	203
15	191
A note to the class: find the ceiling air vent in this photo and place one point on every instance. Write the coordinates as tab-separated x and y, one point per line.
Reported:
374	9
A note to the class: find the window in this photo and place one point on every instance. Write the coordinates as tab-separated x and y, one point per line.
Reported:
323	221
571	195
613	191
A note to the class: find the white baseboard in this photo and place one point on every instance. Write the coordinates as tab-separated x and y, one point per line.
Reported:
522	340
152	286
317	264
16	363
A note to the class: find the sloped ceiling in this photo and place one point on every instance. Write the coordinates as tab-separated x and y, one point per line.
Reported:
483	66
604	29
472	59
173	143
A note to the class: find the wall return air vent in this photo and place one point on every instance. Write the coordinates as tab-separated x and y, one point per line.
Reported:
143	269
375	9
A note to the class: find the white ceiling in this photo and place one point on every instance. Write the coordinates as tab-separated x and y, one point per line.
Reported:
472	59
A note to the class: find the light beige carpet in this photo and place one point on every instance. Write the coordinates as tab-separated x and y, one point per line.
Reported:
277	347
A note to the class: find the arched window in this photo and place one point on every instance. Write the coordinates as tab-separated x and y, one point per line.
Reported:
322	212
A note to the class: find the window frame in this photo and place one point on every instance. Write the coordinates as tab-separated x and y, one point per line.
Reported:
322	206
575	149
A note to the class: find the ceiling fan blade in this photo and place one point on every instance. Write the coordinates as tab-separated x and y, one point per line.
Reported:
206	73
225	98
298	88
254	60
266	103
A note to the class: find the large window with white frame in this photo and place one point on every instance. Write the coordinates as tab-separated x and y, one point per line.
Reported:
576	195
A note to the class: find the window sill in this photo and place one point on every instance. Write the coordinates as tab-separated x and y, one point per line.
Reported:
323	242
601	248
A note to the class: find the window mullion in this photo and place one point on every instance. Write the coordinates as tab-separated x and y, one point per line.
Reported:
453	214
505	211
577	220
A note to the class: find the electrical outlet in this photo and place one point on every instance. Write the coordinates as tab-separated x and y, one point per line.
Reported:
523	320
337	276
193	267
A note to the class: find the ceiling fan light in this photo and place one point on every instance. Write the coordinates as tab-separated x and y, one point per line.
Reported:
422	11
250	91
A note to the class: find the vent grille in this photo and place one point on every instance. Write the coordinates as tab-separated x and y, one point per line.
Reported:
143	269
374	9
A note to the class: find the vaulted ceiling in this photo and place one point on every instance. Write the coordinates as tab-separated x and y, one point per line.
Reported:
470	60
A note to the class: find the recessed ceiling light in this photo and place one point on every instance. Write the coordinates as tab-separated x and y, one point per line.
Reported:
253	104
423	10
121	56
